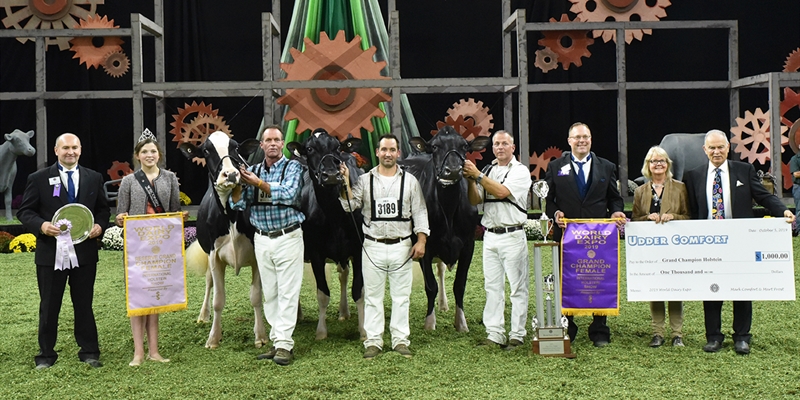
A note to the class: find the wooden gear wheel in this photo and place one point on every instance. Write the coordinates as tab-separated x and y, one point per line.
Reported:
84	48
620	10
791	101
546	59
792	62
118	170
539	163
47	14
751	137
570	46
116	64
184	117
197	131
341	112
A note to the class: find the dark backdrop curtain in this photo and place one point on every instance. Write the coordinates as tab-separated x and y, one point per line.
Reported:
221	41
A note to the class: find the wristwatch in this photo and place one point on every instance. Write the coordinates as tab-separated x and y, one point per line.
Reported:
479	178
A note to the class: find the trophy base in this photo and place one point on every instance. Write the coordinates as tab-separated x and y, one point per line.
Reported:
550	342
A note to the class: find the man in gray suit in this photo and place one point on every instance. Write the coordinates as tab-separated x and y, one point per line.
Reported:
726	189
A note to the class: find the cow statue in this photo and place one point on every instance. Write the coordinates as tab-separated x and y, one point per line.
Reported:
330	233
225	236
451	217
686	152
16	144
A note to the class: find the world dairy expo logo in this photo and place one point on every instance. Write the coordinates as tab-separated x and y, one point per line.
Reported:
714	287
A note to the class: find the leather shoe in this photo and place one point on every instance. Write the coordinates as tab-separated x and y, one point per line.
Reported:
712	346
677	341
741	347
601	343
657	341
94	363
43	365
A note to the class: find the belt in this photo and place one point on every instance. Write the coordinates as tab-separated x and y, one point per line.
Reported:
278	233
504	230
386	241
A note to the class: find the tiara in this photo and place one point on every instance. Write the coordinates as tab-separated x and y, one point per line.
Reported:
146	134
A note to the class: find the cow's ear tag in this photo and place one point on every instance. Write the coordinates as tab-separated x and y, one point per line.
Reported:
349	144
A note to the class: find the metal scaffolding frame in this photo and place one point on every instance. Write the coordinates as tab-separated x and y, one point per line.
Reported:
515	30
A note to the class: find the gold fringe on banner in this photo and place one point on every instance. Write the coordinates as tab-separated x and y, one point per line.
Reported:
593	311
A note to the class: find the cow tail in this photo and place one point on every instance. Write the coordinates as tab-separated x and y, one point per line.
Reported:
196	259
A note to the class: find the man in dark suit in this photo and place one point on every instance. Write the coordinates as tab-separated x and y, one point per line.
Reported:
725	189
46	191
583	185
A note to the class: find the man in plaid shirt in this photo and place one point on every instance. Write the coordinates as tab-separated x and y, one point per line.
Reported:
273	192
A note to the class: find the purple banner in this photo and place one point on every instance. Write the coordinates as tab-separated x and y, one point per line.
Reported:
590	268
154	263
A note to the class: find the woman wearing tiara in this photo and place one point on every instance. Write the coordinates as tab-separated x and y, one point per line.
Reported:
661	200
162	195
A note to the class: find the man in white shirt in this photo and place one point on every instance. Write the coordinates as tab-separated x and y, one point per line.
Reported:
503	188
390	200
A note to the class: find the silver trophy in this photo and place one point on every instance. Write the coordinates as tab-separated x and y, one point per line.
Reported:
540	189
550	337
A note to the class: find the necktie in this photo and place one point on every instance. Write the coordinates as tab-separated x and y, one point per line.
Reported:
717	204
582	185
70	187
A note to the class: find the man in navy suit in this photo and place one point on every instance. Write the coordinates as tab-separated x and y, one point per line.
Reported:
583	185
46	191
719	190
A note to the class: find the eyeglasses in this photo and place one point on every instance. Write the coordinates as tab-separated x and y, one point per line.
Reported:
656	162
581	137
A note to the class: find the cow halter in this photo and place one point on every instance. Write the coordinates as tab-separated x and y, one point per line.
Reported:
318	168
440	167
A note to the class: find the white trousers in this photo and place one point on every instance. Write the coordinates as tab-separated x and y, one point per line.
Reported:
381	262
505	256
280	263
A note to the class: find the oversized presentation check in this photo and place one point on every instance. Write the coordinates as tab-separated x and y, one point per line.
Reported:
732	259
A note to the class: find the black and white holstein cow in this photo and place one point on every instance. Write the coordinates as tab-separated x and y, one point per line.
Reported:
451	217
330	233
225	235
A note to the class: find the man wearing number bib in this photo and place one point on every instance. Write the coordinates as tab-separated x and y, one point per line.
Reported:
390	200
504	186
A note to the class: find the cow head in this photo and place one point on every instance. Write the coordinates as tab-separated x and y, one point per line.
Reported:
448	151
20	143
324	154
223	157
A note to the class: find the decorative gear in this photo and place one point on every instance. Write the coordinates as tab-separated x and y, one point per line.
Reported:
85	49
118	170
341	112
182	118
540	163
546	59
792	61
47	14
619	10
467	129
198	130
790	101
476	111
757	136
116	64
578	44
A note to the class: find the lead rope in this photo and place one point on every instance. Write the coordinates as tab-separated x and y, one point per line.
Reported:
361	239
